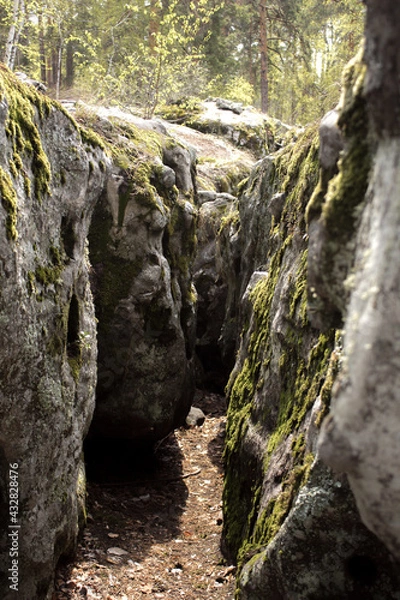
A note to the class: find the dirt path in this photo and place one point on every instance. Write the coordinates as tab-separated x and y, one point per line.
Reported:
159	535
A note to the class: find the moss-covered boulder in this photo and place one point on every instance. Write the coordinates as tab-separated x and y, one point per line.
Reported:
244	127
289	522
51	176
142	241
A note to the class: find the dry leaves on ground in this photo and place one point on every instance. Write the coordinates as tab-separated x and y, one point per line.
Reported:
155	532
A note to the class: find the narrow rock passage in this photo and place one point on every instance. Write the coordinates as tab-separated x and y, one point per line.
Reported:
155	532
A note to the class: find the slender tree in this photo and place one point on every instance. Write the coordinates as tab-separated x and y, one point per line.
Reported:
263	56
14	32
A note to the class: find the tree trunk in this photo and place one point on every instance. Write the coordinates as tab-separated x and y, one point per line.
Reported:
59	59
18	22
69	65
42	47
154	25
263	56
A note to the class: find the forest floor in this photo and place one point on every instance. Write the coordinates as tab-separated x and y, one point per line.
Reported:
156	532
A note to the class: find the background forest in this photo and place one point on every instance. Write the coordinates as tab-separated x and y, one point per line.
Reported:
282	56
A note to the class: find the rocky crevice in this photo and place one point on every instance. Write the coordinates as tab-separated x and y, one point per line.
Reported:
264	272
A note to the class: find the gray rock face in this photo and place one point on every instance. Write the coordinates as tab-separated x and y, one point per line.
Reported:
361	435
330	139
142	239
211	286
48	338
322	518
291	523
242	126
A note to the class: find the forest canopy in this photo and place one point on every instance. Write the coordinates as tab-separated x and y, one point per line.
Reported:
282	56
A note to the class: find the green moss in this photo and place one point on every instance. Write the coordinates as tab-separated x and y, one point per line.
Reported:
9	202
331	374
181	110
278	507
22	129
337	196
51	273
91	138
180	241
31	283
47	275
230	220
317	199
302	371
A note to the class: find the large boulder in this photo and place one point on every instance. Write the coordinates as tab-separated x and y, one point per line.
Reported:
51	175
142	241
244	127
290	523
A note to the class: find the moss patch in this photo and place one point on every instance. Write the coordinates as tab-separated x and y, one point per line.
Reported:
300	369
25	107
9	202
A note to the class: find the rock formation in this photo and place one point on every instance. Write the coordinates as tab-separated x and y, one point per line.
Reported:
51	175
361	436
133	197
305	263
142	240
290	522
212	290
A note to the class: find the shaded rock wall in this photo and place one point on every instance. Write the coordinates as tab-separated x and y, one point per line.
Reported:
142	241
289	521
212	291
56	179
50	178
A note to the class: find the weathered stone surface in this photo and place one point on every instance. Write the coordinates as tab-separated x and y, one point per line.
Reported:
195	417
291	524
242	126
334	210
235	107
361	435
48	338
142	240
321	552
330	140
211	286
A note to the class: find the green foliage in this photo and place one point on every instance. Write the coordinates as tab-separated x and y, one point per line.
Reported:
153	52
181	110
240	90
9	202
